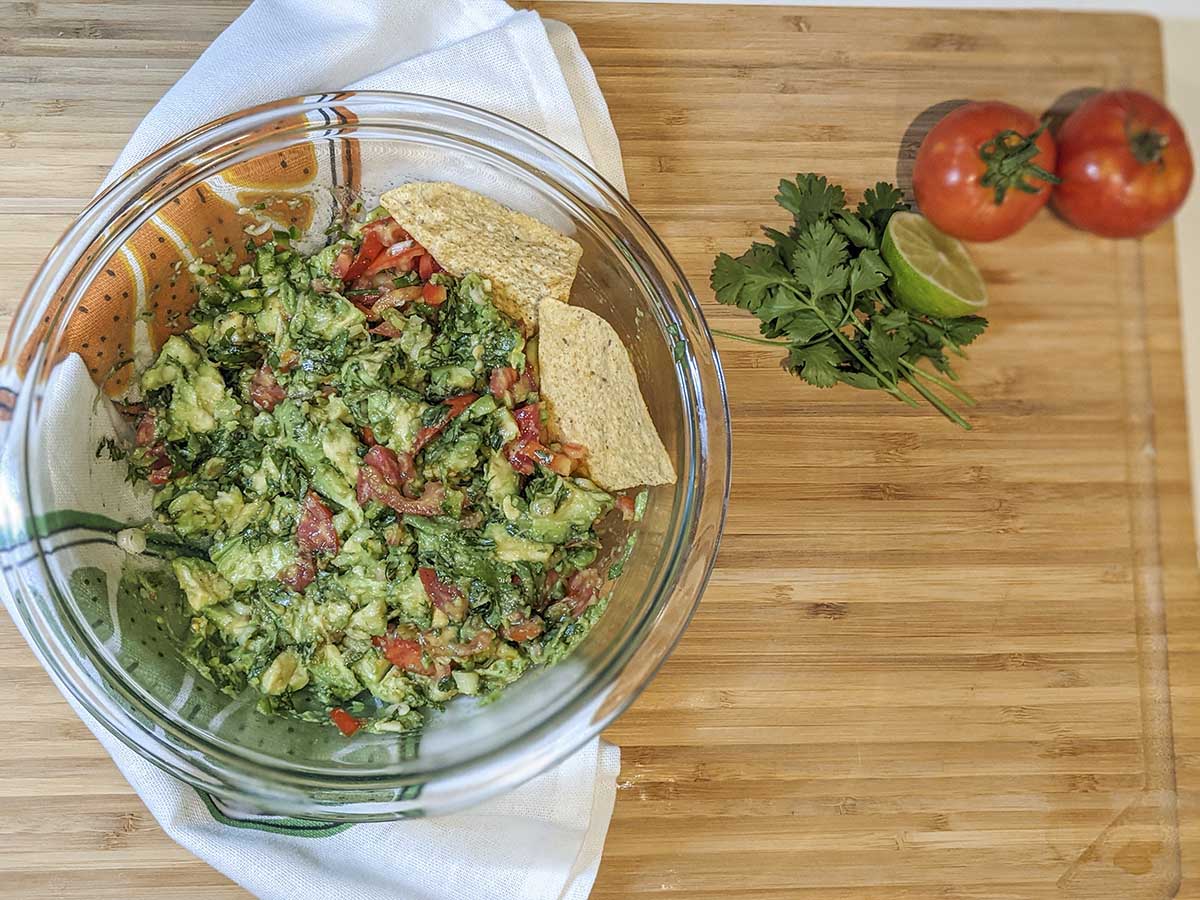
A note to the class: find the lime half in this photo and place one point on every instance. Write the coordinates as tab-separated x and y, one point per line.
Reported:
931	271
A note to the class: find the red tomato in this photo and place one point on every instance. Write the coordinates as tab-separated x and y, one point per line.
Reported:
387	330
315	532
1124	163
404	654
455	407
345	722
627	507
398	257
522	629
984	171
145	431
298	575
502	379
582	588
372	486
446	597
341	265
395	468
433	294
368	250
529	420
265	391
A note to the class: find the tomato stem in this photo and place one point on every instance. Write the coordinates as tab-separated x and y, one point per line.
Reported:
1147	146
1009	158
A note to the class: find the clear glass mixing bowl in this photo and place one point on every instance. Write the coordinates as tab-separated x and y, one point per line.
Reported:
115	280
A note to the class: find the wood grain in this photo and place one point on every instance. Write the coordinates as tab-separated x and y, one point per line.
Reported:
921	668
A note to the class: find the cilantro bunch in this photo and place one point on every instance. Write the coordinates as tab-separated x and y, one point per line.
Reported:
820	291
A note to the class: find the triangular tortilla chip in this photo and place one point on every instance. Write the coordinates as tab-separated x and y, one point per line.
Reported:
588	380
526	261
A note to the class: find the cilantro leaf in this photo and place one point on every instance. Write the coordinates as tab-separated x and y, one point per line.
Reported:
867	272
964	330
817	364
810	198
802	326
744	281
893	318
818	263
879	202
886	348
856	230
785	244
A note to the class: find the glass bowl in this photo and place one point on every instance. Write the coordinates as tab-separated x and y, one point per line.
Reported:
116	283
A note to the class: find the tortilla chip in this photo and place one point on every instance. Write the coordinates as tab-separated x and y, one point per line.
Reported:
526	261
592	391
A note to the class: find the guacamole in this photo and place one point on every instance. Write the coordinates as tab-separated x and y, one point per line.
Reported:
351	448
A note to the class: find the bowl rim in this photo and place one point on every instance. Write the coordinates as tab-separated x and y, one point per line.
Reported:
136	189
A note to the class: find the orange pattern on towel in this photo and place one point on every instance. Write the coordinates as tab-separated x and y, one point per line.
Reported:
149	278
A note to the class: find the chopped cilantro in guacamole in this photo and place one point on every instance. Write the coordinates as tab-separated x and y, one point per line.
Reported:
351	449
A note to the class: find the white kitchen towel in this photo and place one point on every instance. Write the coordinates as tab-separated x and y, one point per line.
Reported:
479	52
544	839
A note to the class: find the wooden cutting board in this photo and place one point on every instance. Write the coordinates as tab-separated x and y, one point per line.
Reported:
930	663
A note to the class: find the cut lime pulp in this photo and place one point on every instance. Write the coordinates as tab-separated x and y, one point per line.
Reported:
932	272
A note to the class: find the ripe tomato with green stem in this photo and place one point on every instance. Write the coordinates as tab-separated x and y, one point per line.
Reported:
1124	163
984	171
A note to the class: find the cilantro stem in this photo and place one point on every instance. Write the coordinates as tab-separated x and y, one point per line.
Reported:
940	382
939	405
890	385
749	340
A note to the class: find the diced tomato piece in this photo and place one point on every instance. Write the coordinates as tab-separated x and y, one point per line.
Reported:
387	330
561	464
368	435
433	294
425	267
265	391
626	505
522	455
396	469
388	229
401	257
145	431
529	420
315	532
394	298
502	380
529	377
372	486
523	629
345	722
404	654
298	575
446	597
160	474
341	265
455	407
370	248
582	589
365	303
